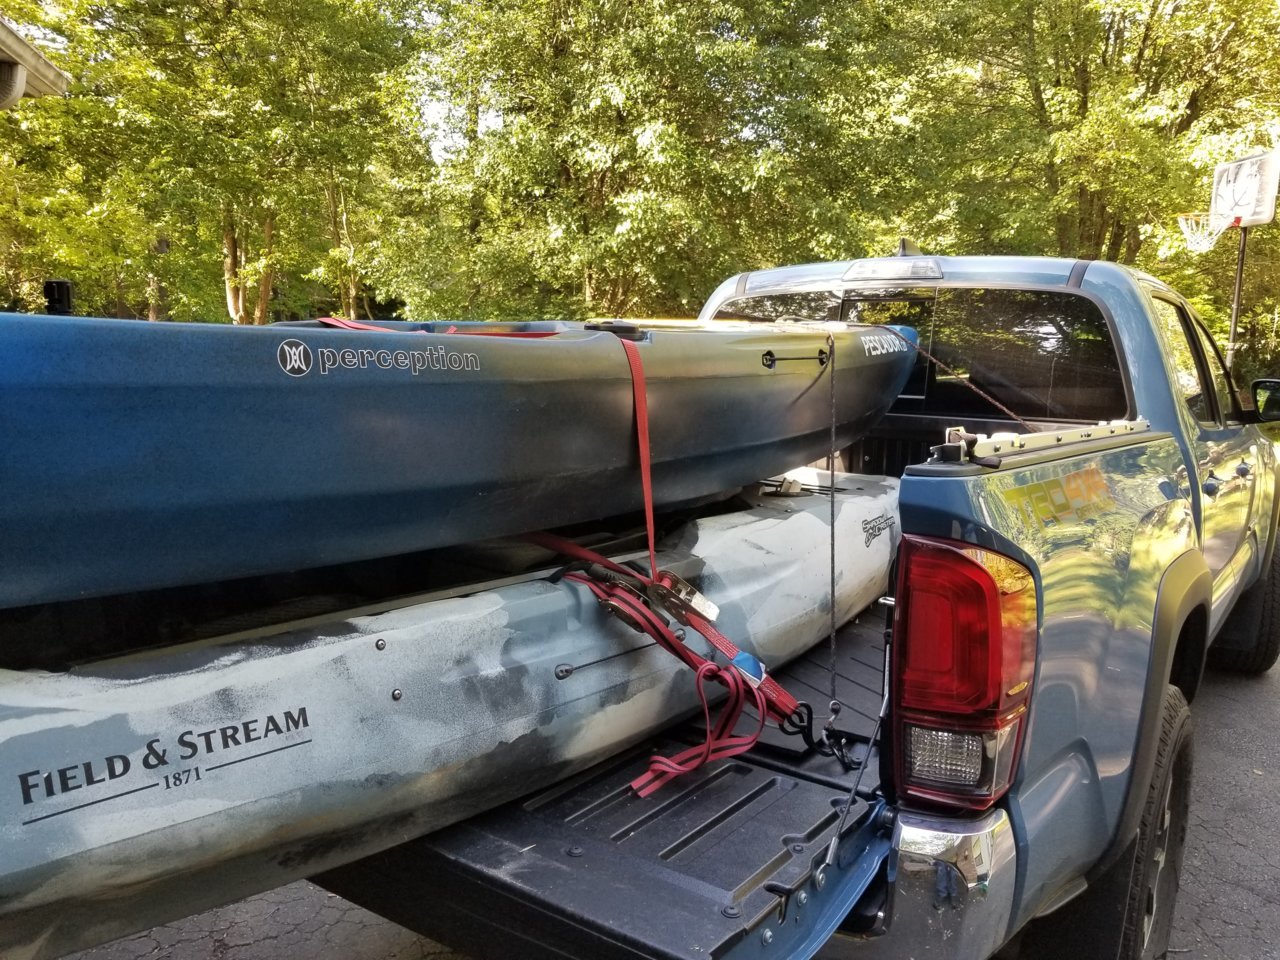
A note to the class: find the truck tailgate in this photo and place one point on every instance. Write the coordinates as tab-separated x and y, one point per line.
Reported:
722	863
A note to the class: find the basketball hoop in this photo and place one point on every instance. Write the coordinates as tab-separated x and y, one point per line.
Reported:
1244	195
1202	230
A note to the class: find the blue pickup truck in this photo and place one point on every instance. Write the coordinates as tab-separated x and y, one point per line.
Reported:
1079	508
1088	514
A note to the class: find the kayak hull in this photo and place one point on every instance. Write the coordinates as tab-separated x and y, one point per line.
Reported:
142	789
141	456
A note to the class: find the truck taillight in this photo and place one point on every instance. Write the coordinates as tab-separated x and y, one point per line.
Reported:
964	650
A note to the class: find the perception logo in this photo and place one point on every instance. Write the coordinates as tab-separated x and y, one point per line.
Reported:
295	358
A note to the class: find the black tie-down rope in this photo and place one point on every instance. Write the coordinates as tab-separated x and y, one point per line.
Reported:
831	502
834	742
964	380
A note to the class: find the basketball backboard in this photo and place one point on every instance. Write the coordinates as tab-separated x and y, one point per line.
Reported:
1244	191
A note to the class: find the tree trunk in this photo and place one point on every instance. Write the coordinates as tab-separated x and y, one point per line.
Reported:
232	258
1084	245
155	296
1115	241
347	304
157	293
122	309
1132	244
261	315
1065	227
349	247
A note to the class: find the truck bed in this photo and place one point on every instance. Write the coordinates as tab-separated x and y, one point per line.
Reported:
701	869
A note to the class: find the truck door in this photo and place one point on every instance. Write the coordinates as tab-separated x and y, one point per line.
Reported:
1225	453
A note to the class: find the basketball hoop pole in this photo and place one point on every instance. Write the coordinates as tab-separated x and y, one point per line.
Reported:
1244	195
1235	300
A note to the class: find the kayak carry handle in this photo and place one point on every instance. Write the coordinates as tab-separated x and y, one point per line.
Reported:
770	360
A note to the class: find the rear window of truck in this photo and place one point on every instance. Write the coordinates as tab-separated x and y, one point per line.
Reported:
1043	354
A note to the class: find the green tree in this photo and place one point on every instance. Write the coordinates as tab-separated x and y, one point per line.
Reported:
1070	126
607	157
222	135
577	157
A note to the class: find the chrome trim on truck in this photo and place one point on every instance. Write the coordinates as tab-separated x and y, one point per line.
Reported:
951	891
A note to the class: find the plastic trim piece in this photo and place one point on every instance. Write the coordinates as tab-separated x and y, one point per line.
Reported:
1186	584
1076	278
1024	459
1014	443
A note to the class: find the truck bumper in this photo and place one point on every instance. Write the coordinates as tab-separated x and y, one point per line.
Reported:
951	886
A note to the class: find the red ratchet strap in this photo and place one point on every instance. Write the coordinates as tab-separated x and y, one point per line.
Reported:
720	743
744	676
345	324
778	701
514	334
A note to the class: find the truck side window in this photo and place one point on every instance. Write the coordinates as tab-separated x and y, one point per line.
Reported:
1043	354
1217	371
1191	378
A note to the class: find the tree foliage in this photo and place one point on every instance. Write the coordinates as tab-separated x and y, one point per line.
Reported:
229	142
251	160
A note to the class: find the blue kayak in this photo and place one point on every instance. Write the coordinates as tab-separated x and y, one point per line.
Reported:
140	455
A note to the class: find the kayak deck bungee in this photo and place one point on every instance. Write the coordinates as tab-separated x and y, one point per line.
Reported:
140	789
140	456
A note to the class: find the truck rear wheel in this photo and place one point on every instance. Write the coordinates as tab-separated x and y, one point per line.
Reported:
1162	834
1250	639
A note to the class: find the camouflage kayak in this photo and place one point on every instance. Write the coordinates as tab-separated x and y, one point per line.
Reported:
137	790
141	456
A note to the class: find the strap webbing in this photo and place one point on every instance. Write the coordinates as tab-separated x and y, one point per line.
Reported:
744	676
720	743
640	393
345	324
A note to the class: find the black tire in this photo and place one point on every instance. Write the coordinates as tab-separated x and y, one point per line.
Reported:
1249	641
1162	835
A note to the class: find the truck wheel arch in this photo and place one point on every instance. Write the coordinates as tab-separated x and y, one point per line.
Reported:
1179	640
1093	923
1190	653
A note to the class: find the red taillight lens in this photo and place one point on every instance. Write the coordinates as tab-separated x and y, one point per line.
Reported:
964	651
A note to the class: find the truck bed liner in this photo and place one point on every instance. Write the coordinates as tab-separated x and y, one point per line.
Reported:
701	869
